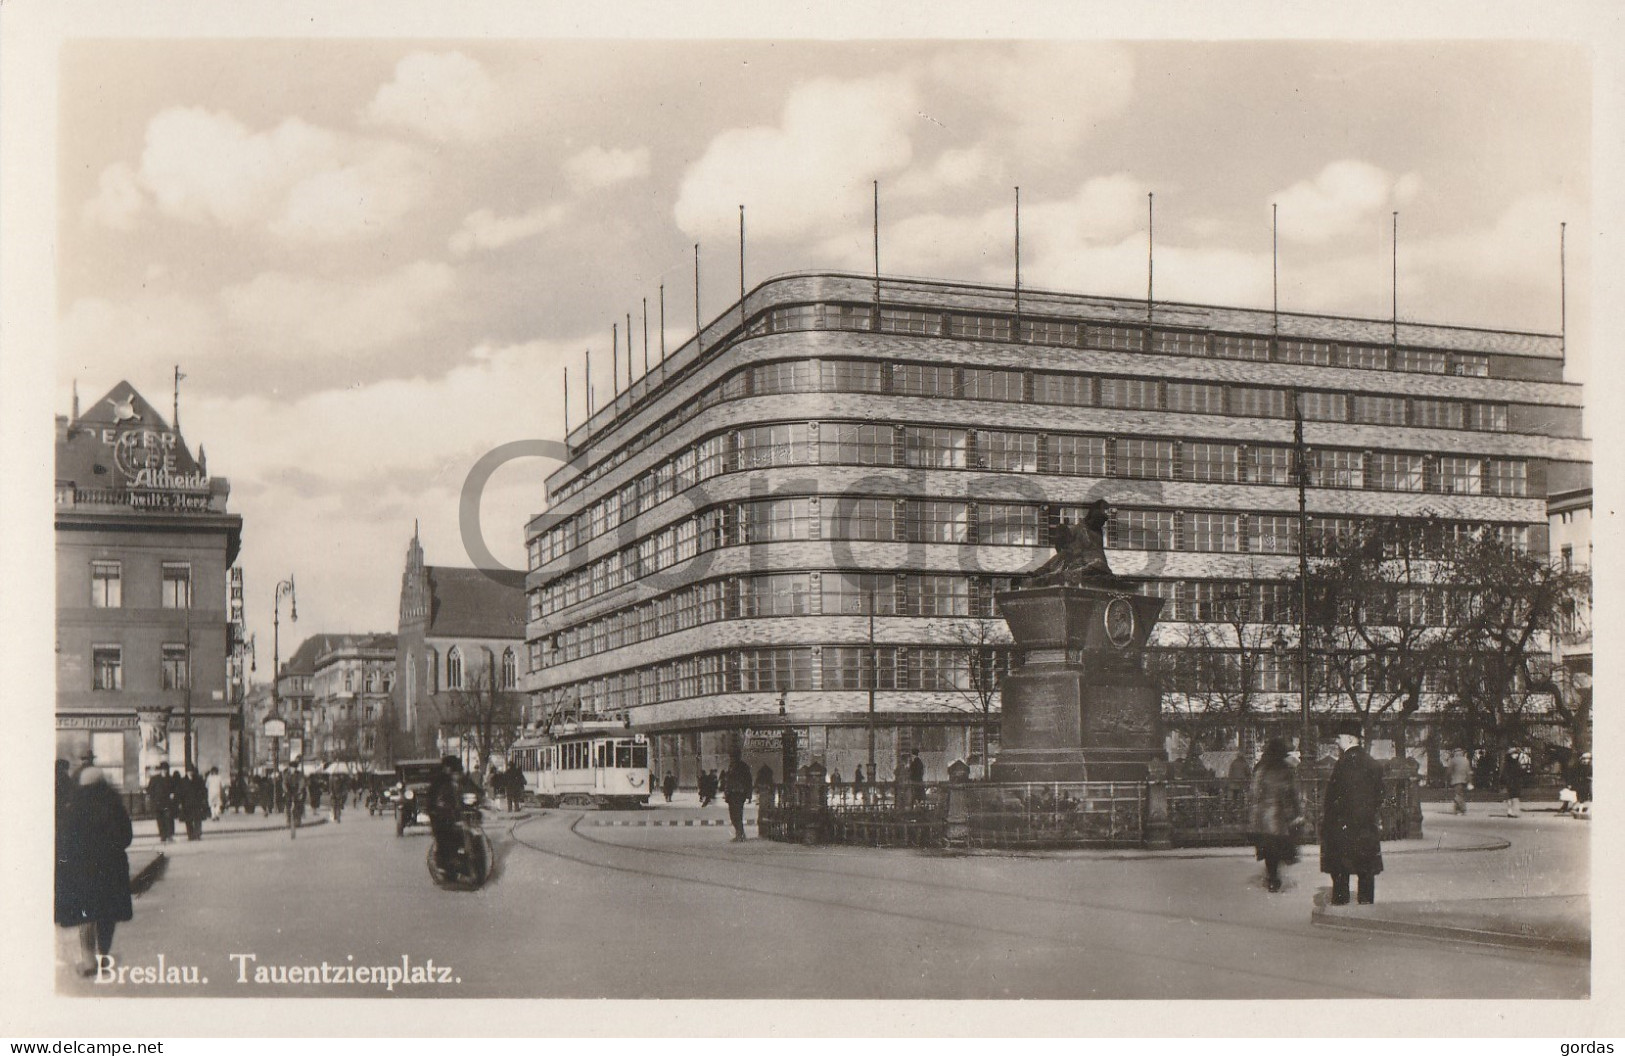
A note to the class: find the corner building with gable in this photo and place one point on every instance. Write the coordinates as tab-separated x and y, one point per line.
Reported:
148	616
801	519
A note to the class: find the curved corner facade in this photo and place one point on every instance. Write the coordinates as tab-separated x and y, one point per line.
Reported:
800	520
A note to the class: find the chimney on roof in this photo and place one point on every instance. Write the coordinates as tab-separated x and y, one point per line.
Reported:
75	416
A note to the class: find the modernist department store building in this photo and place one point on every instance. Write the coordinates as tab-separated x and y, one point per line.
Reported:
821	496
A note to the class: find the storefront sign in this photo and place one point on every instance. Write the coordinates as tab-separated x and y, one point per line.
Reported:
770	739
95	722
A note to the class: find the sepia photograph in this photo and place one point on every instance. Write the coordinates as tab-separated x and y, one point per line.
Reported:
751	516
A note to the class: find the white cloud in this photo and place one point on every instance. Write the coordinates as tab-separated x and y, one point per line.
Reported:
149	328
483	229
446	97
1342	199
293	316
954	169
811	169
119	199
297	180
598	167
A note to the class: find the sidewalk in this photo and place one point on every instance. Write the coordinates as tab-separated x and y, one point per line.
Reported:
1518	905
149	858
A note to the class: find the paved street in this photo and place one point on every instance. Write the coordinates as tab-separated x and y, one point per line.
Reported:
587	905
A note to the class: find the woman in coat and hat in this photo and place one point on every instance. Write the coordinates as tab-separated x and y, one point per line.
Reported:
1350	828
92	868
1276	813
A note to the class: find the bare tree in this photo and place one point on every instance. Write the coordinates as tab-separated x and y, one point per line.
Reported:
1505	607
1376	617
484	715
983	643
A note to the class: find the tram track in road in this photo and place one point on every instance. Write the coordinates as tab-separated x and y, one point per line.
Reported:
1253	927
1270	982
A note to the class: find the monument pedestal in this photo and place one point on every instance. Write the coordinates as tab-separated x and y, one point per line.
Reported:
1080	707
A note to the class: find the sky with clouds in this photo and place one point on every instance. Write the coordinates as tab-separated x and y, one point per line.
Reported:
372	259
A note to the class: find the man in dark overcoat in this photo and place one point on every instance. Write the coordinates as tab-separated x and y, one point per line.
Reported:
1351	827
1512	782
194	803
737	783
161	795
92	868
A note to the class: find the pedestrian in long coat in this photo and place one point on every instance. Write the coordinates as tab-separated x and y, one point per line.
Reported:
215	785
92	868
1512	782
161	796
194	803
1276	812
1350	827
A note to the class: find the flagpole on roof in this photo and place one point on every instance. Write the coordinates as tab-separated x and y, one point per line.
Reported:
1563	289
1018	263
1150	251
662	330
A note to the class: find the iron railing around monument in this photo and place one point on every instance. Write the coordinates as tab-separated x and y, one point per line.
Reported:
1212	812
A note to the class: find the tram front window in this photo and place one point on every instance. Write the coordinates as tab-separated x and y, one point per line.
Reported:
640	757
623	754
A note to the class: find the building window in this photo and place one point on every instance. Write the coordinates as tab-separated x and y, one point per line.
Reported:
851	375
938	670
1070	390
510	669
1008	452
777	520
1336	469
1420	361
1050	332
938	595
106	585
855	593
1130	393
1249	402
1379	410
1487	417
1365	357
1115	338
935	522
1308	353
177	585
106	667
349	681
842	444
1567	564
980	327
1213	462
768	379
1269	465
1461	476
1144	530
1006	525
981	384
1214	533
1235	346
1324	406
921	379
1080	456
1272	534
781	595
763	446
775	670
1146	459
1470	366
1438	414
845	517
1195	397
174	660
1179	343
454	668
1506	478
859	667
935	448
901	321
1393	472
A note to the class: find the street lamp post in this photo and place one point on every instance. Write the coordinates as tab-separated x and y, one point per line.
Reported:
1301	459
284	589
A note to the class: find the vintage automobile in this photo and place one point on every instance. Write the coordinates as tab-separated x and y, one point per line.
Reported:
410	792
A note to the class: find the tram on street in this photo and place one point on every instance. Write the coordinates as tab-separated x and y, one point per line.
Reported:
586	764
